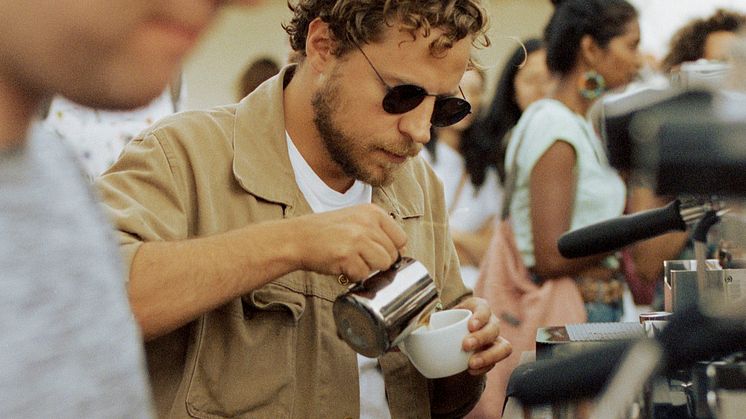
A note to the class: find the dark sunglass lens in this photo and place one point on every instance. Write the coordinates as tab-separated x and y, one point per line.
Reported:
449	111
403	98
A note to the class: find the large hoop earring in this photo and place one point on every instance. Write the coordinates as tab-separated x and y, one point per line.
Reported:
591	85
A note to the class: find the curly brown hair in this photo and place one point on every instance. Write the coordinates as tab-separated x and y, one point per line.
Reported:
363	21
688	43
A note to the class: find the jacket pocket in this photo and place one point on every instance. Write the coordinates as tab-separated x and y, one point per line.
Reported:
235	370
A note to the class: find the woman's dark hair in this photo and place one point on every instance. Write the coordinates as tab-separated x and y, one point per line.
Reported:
486	135
603	20
688	44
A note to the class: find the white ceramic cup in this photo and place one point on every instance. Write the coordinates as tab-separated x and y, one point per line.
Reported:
436	350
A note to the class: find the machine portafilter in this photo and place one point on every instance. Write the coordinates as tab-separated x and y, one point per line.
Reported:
616	233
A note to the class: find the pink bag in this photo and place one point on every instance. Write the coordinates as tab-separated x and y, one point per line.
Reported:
522	306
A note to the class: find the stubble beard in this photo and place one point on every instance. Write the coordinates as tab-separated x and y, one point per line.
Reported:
340	146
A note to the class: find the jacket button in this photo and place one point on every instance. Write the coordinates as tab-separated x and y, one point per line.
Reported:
342	279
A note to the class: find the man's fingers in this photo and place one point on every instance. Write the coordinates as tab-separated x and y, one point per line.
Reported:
377	257
393	231
483	361
483	336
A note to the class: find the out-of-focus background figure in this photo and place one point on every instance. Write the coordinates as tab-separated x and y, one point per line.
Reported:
704	38
707	38
472	187
523	80
256	73
560	178
563	178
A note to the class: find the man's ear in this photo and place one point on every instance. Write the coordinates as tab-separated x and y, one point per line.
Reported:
590	51
320	45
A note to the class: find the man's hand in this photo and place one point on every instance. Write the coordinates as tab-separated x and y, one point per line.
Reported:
489	348
353	241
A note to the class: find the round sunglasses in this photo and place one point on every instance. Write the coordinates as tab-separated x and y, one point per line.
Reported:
405	97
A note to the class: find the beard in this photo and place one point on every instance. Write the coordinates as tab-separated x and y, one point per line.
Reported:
350	154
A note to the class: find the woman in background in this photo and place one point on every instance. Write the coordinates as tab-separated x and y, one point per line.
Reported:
563	179
523	80
470	181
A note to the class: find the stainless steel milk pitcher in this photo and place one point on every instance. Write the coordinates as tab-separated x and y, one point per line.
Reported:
376	314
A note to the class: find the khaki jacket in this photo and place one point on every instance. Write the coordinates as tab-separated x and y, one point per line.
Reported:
273	353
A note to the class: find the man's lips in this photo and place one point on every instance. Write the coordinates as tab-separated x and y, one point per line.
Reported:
396	158
399	156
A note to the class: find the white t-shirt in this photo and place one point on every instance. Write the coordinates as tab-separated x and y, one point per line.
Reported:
472	207
600	193
322	198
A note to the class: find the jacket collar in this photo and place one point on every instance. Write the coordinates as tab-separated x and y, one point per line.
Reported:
262	167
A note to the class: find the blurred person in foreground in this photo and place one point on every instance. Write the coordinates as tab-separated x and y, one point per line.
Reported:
97	136
70	348
472	188
241	225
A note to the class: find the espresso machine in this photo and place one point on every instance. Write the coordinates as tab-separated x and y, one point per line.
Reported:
687	141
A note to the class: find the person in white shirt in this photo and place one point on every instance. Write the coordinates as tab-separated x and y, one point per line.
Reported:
472	187
70	346
97	136
563	179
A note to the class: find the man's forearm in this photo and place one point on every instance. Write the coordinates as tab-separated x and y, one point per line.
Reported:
454	397
172	283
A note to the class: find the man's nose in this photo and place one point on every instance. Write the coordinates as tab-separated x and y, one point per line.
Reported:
416	123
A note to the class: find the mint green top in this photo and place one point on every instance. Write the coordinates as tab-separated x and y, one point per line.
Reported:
600	194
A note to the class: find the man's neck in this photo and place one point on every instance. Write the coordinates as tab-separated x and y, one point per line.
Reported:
17	109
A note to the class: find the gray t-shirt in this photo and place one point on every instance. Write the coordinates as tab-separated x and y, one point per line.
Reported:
69	346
